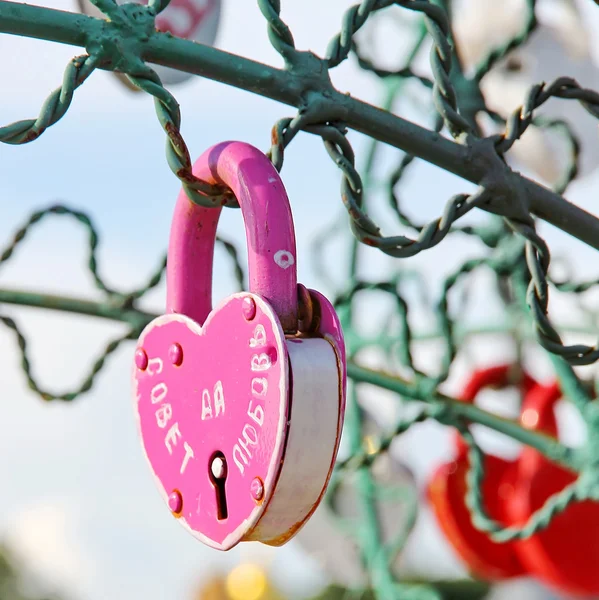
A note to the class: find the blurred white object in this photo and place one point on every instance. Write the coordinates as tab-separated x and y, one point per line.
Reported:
195	20
328	541
45	539
560	46
589	11
520	589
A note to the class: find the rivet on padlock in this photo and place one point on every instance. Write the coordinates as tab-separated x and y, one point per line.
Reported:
240	407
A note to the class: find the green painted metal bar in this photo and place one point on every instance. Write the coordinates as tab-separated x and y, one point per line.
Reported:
115	312
293	87
370	541
105	309
550	447
137	318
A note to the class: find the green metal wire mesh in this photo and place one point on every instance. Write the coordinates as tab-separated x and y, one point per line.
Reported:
516	256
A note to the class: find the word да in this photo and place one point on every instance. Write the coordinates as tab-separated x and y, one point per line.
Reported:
219	402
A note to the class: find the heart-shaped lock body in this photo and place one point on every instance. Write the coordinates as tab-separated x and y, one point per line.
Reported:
447	489
565	554
240	408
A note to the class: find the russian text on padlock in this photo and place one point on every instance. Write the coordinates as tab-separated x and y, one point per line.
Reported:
240	407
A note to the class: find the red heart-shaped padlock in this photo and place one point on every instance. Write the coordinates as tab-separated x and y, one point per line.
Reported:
447	488
565	555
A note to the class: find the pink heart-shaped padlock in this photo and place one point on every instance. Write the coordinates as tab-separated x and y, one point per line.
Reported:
240	408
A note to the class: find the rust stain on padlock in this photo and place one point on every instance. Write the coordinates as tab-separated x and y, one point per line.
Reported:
305	309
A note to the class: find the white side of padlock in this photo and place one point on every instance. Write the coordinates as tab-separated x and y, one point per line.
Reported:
314	428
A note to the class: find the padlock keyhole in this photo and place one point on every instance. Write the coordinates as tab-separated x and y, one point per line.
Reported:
218	476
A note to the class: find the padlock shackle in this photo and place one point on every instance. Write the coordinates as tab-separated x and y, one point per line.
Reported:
269	231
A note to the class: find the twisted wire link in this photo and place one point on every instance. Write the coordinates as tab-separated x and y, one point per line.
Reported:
88	381
505	258
146	79
437	24
537	261
353	19
157	6
575	287
279	34
407	159
444	96
539	520
572	167
282	133
537	251
108	7
362	226
503	261
177	154
522	117
404	337
55	106
364	459
529	26
405	72
365	230
93	242
123	299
